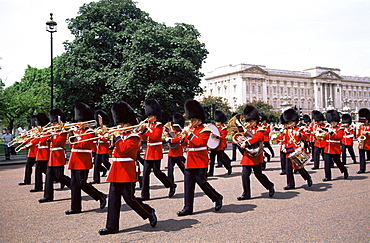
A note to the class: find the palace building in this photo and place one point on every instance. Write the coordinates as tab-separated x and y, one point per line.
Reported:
317	88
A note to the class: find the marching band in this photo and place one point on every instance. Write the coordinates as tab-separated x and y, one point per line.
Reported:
117	149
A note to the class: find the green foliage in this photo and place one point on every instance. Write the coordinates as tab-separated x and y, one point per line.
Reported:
120	53
22	99
219	102
272	116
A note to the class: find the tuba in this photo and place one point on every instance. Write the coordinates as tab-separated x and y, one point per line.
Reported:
237	127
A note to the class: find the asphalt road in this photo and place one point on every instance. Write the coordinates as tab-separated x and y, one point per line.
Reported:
334	211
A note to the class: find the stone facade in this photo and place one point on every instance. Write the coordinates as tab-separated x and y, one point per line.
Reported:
312	89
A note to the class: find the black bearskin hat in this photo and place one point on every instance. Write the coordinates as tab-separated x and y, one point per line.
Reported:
54	113
177	118
83	112
152	108
306	118
263	116
291	115
363	115
33	121
332	116
104	116
194	109
251	113
220	116
317	115
281	119
123	113
42	119
347	118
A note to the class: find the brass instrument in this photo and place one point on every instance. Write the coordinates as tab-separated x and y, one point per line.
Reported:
169	132
320	133
237	126
361	139
275	135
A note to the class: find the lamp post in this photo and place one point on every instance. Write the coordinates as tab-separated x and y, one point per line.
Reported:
51	27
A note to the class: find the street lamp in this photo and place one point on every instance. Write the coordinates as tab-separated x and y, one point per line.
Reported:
51	26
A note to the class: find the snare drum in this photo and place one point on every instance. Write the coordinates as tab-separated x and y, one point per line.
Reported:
299	157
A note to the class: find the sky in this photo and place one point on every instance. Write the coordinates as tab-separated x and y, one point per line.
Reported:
286	34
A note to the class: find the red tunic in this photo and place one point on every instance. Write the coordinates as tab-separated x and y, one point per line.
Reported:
333	142
57	154
365	130
123	159
320	143
223	142
43	149
292	140
258	136
175	152
196	142
267	129
348	136
32	148
153	136
102	146
81	153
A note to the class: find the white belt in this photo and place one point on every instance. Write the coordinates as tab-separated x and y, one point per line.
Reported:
197	149
349	136
42	147
55	149
120	159
81	150
154	144
333	141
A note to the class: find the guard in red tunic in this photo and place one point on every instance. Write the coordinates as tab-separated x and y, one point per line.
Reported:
152	133
222	158
124	172
175	152
320	142
42	154
266	139
347	141
333	145
31	157
253	161
307	130
195	139
363	137
293	138
280	141
80	161
57	159
101	162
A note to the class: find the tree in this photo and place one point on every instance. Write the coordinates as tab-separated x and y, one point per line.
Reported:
212	103
19	101
272	116
120	53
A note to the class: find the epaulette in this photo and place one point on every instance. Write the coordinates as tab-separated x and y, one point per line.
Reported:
224	127
205	129
132	135
157	124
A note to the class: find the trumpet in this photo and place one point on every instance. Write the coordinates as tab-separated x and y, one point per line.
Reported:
361	139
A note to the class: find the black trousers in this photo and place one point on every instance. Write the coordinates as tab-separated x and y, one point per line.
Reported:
78	183
362	155
267	144
198	176
282	161
351	152
329	159
172	161
289	173
221	160
40	168
234	147
262	178
31	161
316	156
156	165
127	191
99	161
55	173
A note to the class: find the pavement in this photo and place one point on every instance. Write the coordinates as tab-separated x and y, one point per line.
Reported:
333	211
